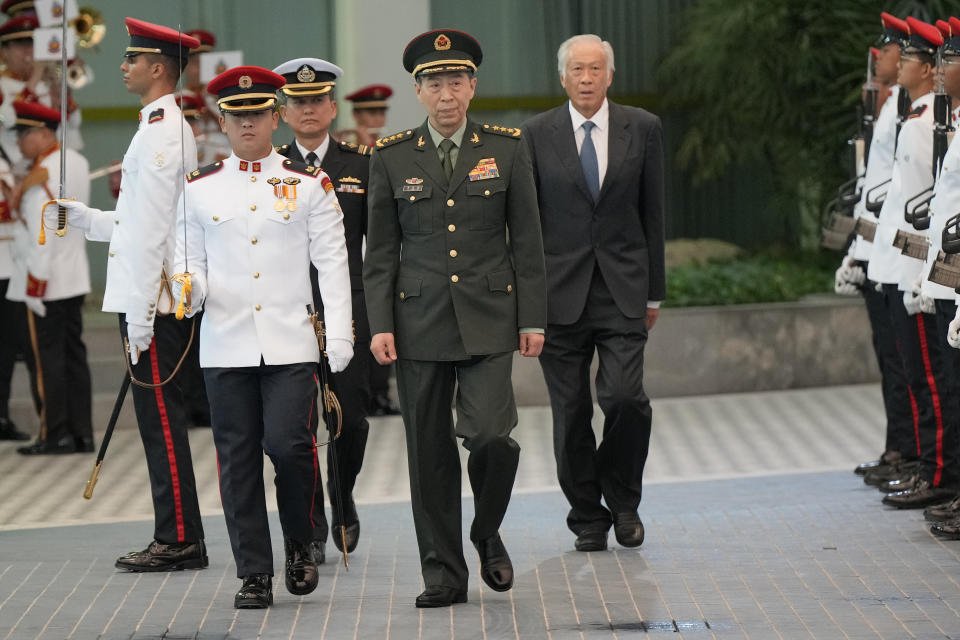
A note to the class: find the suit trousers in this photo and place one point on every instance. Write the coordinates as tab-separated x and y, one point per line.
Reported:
486	415
160	418
15	341
925	368
257	410
66	375
893	380
614	469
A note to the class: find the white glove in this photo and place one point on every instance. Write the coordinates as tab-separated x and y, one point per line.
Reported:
927	304
36	305
953	331
844	288
139	336
339	352
196	295
911	300
79	215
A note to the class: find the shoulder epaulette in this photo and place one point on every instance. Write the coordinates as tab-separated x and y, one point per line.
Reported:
509	132
916	113
395	138
353	147
282	149
204	171
155	116
301	167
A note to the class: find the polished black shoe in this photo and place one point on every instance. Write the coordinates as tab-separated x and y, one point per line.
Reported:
495	566
905	483
319	548
888	459
382	405
922	495
352	532
885	474
591	540
949	530
628	529
944	511
46	448
256	592
301	569
9	431
166	557
83	445
440	597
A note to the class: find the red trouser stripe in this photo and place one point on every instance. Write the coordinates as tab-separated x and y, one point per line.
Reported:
168	440
922	330
316	458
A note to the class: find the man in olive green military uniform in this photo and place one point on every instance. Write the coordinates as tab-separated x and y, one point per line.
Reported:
449	299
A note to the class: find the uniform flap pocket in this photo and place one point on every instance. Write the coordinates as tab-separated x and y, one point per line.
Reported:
500	281
215	219
284	216
485	188
408	287
411	192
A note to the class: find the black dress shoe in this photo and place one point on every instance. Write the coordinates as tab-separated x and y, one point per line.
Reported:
440	597
83	445
166	557
922	495
256	592
319	548
944	511
880	475
352	532
382	405
591	540
495	566
9	431
301	569
905	483
949	530
46	448
628	529
888	459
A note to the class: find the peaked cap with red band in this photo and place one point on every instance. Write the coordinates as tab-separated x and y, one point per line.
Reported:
191	105
951	45
924	38
19	28
14	8
440	51
944	28
894	29
246	88
146	37
206	39
373	96
34	114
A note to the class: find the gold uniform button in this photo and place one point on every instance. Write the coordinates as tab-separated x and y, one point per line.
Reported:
450	202
253	178
256	274
253	241
509	287
455	278
257	307
452	228
286	216
215	218
412	198
253	207
453	253
486	192
402	295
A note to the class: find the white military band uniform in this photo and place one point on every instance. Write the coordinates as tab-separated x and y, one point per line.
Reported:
879	166
7	228
141	229
61	262
945	204
251	259
912	173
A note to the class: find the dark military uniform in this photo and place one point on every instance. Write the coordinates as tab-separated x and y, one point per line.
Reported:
455	299
348	166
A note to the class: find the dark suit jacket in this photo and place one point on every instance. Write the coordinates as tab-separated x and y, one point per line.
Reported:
439	271
623	232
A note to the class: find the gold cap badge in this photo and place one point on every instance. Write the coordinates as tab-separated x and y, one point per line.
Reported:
306	74
245	82
442	43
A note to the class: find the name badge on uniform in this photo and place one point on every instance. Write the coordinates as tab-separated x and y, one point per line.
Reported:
485	170
413	184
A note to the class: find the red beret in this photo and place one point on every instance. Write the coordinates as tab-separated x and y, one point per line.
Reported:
13	8
34	114
243	84
190	104
924	37
207	40
372	96
19	28
146	37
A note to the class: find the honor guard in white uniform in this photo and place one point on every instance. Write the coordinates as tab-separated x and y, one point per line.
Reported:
914	329
141	235
253	225
52	279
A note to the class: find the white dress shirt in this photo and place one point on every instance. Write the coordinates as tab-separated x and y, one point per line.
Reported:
599	135
320	151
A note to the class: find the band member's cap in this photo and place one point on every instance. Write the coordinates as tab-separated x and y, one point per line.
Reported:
191	105
34	114
19	28
373	96
207	40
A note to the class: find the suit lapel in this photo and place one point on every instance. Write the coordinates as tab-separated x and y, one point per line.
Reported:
470	153
427	158
565	146
618	141
295	151
332	161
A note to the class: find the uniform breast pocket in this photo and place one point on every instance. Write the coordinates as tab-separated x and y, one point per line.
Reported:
214	221
415	208
486	203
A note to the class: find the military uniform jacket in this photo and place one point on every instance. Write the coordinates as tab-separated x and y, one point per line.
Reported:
912	173
440	272
141	230
58	269
249	247
945	203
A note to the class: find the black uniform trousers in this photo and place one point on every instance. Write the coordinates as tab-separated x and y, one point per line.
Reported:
190	382
486	414
257	410
162	424
946	310
925	368
66	375
893	380
614	469
14	341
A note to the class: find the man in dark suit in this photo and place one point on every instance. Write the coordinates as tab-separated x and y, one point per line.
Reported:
599	173
309	108
452	299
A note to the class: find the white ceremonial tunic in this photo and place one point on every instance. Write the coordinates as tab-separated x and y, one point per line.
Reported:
253	262
141	229
7	225
61	262
879	166
912	173
945	204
